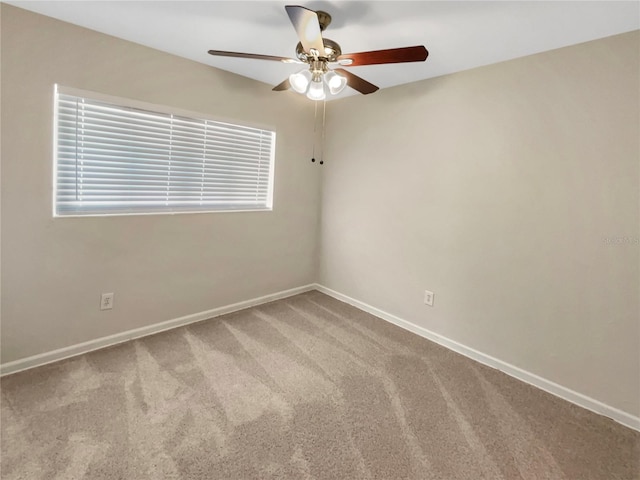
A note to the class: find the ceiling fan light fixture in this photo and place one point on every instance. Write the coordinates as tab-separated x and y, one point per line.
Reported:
300	81
335	82
316	90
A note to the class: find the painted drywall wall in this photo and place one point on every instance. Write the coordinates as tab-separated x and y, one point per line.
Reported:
511	191
160	267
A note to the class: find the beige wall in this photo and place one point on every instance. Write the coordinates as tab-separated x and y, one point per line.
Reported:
160	267
497	188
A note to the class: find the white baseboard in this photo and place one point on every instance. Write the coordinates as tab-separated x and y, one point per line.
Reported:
565	393
79	349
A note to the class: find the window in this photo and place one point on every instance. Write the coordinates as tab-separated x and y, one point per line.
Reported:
117	156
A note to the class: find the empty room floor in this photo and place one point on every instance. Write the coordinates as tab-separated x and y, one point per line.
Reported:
301	388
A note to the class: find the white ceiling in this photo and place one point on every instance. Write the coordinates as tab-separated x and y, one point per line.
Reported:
458	35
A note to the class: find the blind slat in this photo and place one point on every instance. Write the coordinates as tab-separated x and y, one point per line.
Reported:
112	158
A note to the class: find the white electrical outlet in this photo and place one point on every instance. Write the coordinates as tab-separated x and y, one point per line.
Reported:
106	301
428	298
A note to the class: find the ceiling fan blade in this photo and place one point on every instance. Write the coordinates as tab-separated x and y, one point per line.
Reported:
221	53
391	55
282	86
356	82
307	27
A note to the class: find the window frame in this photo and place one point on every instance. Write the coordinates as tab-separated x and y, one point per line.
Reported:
165	110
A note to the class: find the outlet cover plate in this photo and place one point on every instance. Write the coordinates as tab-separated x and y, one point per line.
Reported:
428	298
106	301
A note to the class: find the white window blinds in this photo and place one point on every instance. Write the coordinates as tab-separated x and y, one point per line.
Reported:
118	159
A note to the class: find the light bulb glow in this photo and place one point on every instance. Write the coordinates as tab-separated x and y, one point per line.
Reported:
335	82
300	81
316	90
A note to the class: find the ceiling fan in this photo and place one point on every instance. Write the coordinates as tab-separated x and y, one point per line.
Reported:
319	53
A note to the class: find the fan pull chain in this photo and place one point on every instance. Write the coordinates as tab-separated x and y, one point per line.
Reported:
324	116
315	122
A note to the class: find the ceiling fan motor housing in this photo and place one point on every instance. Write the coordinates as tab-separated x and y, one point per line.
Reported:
331	52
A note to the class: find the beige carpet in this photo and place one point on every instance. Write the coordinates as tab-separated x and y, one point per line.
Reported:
302	388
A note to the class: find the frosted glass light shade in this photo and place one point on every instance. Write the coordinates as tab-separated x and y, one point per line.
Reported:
335	82
316	90
300	81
